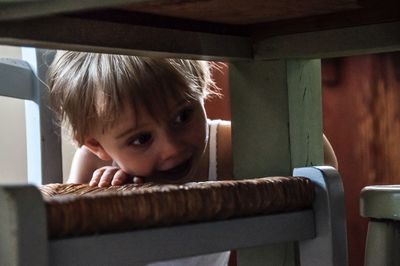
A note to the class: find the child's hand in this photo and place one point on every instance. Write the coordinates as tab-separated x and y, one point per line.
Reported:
109	176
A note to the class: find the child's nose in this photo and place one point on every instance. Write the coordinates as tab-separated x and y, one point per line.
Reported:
170	150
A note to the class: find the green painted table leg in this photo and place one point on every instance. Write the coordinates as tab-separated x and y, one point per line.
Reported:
276	126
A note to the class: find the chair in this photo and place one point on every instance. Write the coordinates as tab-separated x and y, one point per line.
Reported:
320	231
381	205
23	79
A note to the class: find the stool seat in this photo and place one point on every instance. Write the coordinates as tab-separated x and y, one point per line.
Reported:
381	205
380	202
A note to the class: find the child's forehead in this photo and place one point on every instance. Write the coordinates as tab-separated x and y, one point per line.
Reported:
156	110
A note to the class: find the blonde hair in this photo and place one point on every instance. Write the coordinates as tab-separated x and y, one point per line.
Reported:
88	90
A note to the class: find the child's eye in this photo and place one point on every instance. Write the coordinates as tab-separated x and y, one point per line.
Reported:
184	116
141	139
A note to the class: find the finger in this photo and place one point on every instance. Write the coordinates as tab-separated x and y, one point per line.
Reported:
120	178
138	180
96	177
107	176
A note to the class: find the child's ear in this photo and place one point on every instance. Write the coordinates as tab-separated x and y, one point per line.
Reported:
95	147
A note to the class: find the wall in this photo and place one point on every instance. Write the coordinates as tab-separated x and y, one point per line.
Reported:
12	151
218	107
361	117
361	104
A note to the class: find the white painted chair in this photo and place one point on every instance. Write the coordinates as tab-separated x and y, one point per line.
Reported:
23	79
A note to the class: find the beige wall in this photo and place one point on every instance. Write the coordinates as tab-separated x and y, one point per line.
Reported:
12	135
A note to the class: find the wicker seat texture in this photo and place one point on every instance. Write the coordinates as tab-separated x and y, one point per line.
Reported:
78	209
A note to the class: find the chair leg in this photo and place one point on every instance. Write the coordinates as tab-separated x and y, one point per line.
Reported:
383	243
23	227
329	247
43	135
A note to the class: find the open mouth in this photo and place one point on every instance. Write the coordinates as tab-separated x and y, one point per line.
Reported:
178	172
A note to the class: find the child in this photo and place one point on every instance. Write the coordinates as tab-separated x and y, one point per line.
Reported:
137	117
141	119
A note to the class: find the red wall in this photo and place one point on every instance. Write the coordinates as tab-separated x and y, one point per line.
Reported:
218	107
361	113
361	104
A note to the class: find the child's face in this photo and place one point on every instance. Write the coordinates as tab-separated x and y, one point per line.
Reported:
167	150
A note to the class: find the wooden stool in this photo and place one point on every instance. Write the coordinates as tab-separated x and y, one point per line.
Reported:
381	205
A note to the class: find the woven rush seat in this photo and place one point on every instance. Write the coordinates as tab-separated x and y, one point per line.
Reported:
78	209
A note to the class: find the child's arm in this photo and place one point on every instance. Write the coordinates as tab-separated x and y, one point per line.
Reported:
83	165
88	168
329	154
225	163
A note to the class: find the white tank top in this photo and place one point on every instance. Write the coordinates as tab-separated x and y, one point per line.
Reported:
214	259
212	161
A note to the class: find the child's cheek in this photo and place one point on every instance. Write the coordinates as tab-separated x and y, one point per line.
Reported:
138	165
